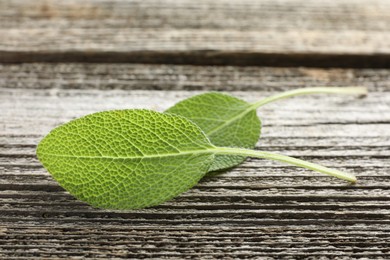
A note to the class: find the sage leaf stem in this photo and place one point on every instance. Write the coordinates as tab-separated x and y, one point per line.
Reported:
288	160
362	91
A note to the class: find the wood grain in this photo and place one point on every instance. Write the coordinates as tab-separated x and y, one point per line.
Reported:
183	78
260	209
271	33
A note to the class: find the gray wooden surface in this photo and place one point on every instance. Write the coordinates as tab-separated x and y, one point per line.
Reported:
259	210
246	32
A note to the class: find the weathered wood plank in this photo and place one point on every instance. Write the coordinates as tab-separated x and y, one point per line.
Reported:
168	77
277	33
260	209
266	14
208	242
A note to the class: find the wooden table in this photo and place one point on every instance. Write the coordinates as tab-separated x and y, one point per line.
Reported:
64	59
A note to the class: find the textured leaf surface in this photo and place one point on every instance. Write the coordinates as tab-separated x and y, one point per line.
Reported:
226	120
126	159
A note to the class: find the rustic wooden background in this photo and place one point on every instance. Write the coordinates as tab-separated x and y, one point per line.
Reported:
64	59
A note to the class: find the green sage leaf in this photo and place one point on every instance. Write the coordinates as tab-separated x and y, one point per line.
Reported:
226	120
126	159
232	122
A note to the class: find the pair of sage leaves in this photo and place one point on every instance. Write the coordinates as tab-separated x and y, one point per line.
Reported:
129	159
